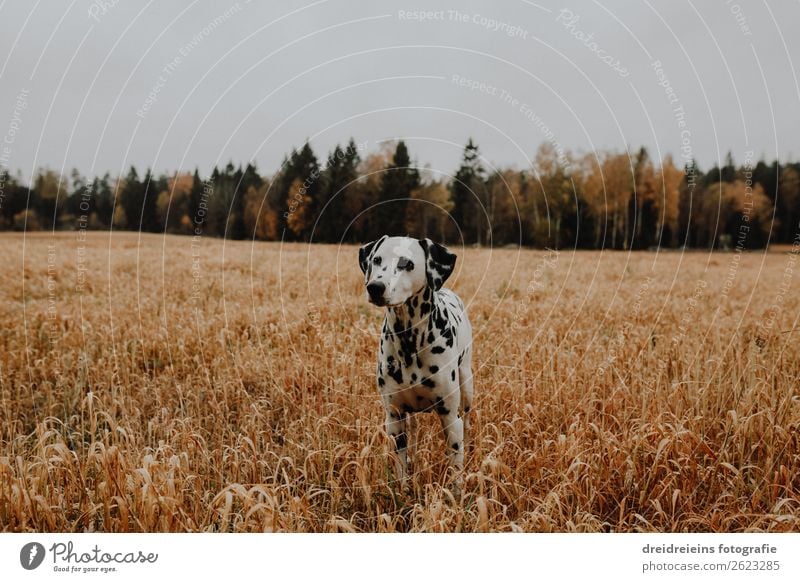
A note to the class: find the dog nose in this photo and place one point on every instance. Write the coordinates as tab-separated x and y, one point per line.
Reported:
375	290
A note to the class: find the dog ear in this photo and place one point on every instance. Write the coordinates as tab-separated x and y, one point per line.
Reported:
439	263
365	252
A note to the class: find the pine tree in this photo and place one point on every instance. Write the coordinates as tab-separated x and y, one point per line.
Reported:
728	172
14	198
80	203
248	180
215	215
236	228
221	202
131	199
104	205
399	180
788	204
338	181
152	186
467	191
195	199
692	177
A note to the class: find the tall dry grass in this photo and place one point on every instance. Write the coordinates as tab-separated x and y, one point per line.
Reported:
230	387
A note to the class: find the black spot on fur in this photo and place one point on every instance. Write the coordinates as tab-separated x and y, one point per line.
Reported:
455	446
407	409
428	382
437	350
413	377
408	342
440	407
381	381
467	409
395	373
453	375
431	338
400	441
434	369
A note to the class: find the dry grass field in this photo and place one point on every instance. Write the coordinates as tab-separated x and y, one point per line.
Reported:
163	384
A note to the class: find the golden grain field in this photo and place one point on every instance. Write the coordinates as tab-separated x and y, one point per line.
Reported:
162	383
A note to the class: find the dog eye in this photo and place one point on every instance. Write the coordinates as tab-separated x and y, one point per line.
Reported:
405	264
377	261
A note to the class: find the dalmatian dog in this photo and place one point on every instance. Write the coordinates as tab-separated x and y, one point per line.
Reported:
425	356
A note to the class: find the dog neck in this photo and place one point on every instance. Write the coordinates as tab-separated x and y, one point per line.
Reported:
407	325
416	310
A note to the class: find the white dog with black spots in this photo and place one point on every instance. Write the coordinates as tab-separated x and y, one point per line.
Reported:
425	356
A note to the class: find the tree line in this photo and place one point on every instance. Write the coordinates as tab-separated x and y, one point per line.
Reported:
617	200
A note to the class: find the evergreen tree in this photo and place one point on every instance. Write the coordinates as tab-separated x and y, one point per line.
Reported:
221	217
195	200
151	187
467	191
250	177
236	228
279	194
690	185
80	202
338	181
767	176
788	204
14	198
131	199
215	211
104	200
728	172
248	180
399	180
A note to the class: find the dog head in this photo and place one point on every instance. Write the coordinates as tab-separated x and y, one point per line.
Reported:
397	268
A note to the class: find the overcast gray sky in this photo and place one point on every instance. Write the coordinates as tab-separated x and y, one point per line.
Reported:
173	85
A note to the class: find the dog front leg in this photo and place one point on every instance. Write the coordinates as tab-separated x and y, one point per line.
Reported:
396	428
453	428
